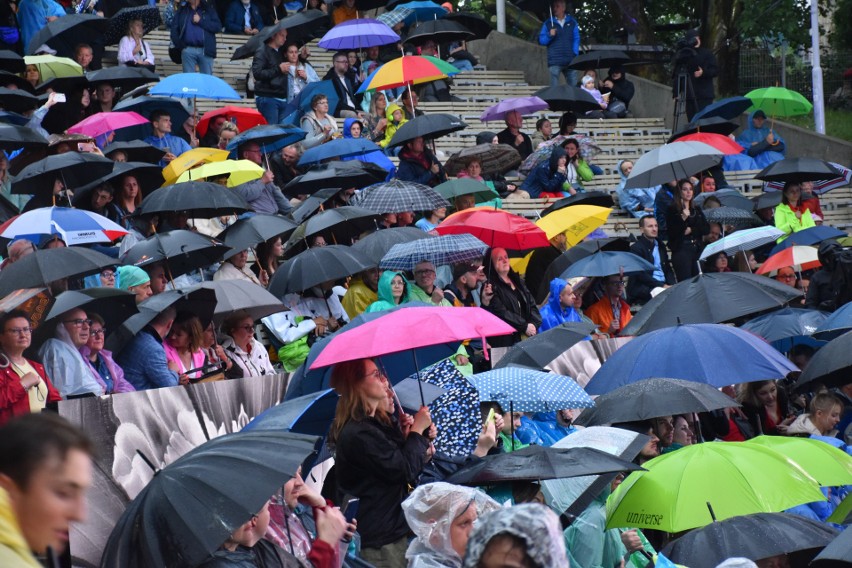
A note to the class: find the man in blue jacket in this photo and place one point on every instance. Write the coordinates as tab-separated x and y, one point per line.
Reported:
194	30
561	34
243	17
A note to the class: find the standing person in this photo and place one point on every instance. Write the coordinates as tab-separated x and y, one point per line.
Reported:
650	247
611	313
792	215
133	50
344	12
243	17
701	68
271	73
561	34
193	32
377	458
513	136
686	227
349	100
161	137
34	15
300	73
506	296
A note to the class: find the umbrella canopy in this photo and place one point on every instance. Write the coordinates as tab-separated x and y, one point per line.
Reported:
523	105
113	305
182	251
734	479
17	100
427	126
652	398
453	188
397	196
536	463
238	172
338	226
713	125
778	101
732	216
120	21
576	222
66	33
756	536
340	175
11	62
122	77
728	198
714	297
706	353
722	143
376	245
798	170
395	16
309	414
148	176
244	118
191	159
407	70
598	59
194	85
50	66
472	21
809	236
830	466
314	204
421	10
727	109
241	295
582	250
672	161
74	169
74	226
44	266
744	240
495	228
270	137
805	258
607	263
836	324
539	351
358	34
200	198
598	198
830	366
566	97
449	249
106	122
316	266
529	390
820	186
440	31
177	109
494	159
338	148
7	79
14	137
302	26
786	327
836	554
248	232
208	482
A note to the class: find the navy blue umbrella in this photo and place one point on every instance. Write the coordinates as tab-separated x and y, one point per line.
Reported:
270	137
836	324
607	263
302	102
809	236
178	111
729	108
339	148
310	414
715	354
788	327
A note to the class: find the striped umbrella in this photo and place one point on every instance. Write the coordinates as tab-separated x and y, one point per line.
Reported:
74	226
449	249
820	186
747	239
799	257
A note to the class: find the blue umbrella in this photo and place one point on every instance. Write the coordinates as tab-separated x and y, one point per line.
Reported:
835	324
310	414
607	263
339	148
422	10
729	108
358	34
270	137
787	327
530	390
194	85
809	236
177	109
303	100
447	249
715	354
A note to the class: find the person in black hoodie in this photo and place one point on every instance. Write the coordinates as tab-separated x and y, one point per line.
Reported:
620	89
702	68
270	73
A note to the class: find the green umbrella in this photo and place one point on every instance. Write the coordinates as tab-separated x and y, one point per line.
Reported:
449	190
830	466
778	101
730	478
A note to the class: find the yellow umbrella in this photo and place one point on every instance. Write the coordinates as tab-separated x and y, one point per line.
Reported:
240	171
190	159
576	221
50	66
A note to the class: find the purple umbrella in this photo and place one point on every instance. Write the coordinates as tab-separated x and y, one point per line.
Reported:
358	34
524	105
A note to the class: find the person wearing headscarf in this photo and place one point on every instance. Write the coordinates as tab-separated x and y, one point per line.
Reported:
442	516
559	307
134	279
530	533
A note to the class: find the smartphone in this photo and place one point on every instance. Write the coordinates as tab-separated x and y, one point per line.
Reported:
350	510
85	146
59	97
490	417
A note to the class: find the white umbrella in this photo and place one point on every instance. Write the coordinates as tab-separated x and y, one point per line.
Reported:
672	161
747	239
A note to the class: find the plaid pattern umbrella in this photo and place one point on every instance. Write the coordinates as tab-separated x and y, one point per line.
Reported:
395	16
746	239
449	249
733	216
397	196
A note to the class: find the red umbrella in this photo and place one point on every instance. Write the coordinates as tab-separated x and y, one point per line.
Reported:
495	228
411	328
722	143
800	257
243	117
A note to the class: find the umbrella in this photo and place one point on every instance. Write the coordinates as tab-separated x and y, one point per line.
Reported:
409	328
74	169
301	26
494	158
536	463
830	366
45	266
208	482
193	85
830	466
182	251
598	59
178	111
786	327
251	231
74	226
397	196
60	85
238	172
597	198
302	102
244	118
17	100
809	236
582	250
421	10
472	21
672	161
316	266
427	126
113	305
823	185
744	240
652	398
495	228
66	33
713	125
727	109
453	188
523	105
767	200
202	199
756	536
804	257
733	479
576	222
728	198
12	62
7	79
732	216
778	101
358	34
314	203
376	245
191	159
242	296
405	71
529	390
149	176
14	137
340	175
120	21
449	249
566	97
122	77
105	122
722	143
798	170
836	554
714	297
339	226
607	263
837	323
706	353
309	414
395	16
338	148
440	31
539	351
270	137
50	66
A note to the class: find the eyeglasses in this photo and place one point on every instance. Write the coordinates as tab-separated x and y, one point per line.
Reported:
20	330
97	332
616	283
424	272
377	374
247	327
107	274
79	322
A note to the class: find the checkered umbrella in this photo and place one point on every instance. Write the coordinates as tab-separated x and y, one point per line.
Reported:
738	218
449	249
397	196
395	16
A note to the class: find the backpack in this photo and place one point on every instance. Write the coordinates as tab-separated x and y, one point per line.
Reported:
841	278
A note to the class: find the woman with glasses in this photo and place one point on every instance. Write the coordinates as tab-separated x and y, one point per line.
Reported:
318	123
103	279
377	457
248	353
24	385
686	228
100	361
62	360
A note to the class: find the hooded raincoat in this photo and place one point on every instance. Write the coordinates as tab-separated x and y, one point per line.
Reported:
553	314
66	368
386	300
374	157
635	201
753	141
545	177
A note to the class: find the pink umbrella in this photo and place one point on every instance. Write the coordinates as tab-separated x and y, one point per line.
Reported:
411	328
105	122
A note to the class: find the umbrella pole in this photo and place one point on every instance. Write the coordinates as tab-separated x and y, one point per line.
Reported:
712	514
148	461
417	374
512	424
169	272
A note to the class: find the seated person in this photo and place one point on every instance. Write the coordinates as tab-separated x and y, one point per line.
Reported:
242	348
100	360
144	359
393	290
424	288
548	178
62	360
638	202
620	91
760	143
507	437
588	85
559	307
612	302
543	132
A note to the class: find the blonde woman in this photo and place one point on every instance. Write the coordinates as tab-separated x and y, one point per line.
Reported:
133	50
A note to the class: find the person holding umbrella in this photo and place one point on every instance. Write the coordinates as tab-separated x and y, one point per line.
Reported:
612	312
561	34
418	164
686	228
506	296
792	215
760	142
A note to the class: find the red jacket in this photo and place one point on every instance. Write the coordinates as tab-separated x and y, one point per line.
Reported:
14	399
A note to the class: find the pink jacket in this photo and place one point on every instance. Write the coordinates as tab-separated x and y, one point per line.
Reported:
198	358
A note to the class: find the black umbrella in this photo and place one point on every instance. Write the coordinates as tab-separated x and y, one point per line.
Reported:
728	198
335	174
249	232
192	505
798	170
112	304
376	245
397	196
120	22
302	26
12	62
567	97
733	216
14	137
539	351
337	226
45	266
831	366
652	398
177	109
7	79
536	463
314	203
439	31
148	176
598	59
599	198
478	25
767	200
713	125
757	536
837	554
315	266
716	297
183	251
200	198
578	252
74	169
122	77
136	151
242	295
17	100
61	85
66	33
427	126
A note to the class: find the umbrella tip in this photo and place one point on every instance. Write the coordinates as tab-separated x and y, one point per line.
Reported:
681	323
712	514
148	461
